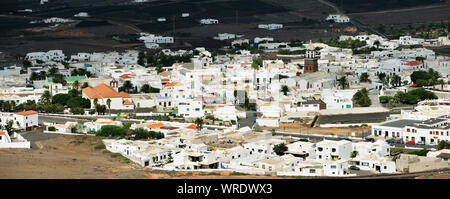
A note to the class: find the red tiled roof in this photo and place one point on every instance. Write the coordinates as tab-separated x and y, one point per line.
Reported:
125	76
154	126
165	80
192	126
30	112
414	63
104	91
173	84
124	95
127	102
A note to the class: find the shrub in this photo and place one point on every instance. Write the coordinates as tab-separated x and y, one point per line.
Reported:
51	128
234	173
99	146
279	149
398	151
77	111
111	130
385	99
422	152
115	155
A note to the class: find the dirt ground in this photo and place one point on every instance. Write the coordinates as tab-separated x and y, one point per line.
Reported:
437	176
75	157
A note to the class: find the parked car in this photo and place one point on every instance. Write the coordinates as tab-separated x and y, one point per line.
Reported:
410	142
390	141
342	136
354	168
370	140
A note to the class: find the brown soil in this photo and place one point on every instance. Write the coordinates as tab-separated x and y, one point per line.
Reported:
71	33
436	176
75	157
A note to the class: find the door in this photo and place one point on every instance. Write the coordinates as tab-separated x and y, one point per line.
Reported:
413	139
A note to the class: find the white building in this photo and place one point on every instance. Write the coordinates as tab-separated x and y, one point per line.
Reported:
209	21
429	132
23	120
337	18
270	26
17	141
333	150
103	92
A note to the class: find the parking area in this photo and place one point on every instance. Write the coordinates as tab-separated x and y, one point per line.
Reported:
362	172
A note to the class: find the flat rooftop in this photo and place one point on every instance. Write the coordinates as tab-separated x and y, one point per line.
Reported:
399	123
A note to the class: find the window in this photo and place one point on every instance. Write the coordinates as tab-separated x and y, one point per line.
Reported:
333	150
333	166
320	149
312	171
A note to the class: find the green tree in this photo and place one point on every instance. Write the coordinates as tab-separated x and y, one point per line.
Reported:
127	86
354	154
45	97
141	58
85	85
396	80
364	77
60	99
108	102
284	89
111	130
441	82
199	123
76	85
443	145
145	88
9	127
279	149
257	63
343	82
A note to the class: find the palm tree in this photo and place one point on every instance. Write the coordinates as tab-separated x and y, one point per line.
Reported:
76	85
108	102
127	85
95	102
284	89
396	80
46	97
199	123
364	77
441	82
343	82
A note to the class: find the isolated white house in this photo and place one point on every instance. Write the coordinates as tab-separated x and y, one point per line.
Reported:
23	120
17	141
209	21
337	18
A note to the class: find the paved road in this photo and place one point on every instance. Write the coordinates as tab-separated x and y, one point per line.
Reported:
373	95
37	135
55	119
249	120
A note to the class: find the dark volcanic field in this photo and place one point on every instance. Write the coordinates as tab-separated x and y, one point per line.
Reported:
112	23
121	19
